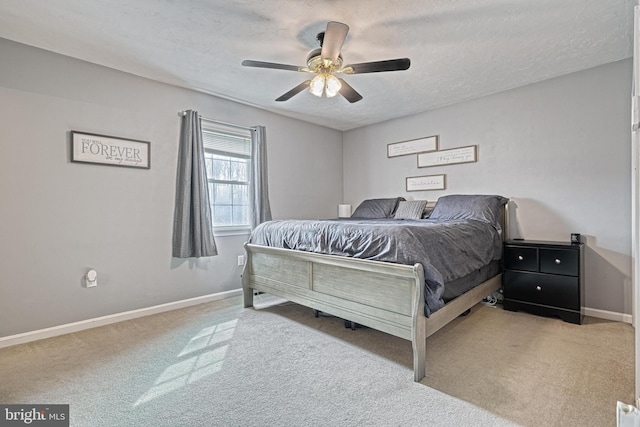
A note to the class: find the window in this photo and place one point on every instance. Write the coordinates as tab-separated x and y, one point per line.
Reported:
228	161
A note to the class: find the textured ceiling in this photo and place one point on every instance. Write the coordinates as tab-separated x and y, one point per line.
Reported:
459	50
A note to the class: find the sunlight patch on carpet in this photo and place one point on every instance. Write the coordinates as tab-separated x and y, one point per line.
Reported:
206	358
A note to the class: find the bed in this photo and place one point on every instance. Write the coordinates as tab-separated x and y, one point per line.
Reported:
396	266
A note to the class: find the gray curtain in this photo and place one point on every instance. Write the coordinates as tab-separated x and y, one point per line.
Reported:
192	226
258	188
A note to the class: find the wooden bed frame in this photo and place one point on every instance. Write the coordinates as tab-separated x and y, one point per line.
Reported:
384	296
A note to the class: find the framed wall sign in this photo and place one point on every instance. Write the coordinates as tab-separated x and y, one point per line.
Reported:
429	143
427	182
448	157
109	150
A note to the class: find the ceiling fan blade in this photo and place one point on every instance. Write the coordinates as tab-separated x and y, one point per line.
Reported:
273	65
296	90
377	66
349	93
334	37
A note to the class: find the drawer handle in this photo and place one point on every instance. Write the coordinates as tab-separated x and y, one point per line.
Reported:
538	288
520	258
558	261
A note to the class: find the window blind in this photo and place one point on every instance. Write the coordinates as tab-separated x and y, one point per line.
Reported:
226	143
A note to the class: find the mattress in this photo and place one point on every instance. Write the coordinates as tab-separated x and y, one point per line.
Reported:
464	284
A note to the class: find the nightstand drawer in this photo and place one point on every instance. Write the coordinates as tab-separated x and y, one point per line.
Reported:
520	258
544	289
559	261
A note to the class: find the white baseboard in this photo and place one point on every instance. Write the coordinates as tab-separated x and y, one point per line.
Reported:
608	315
147	311
112	318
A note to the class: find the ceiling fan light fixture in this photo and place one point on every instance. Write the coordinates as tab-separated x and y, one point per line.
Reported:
327	60
333	86
316	86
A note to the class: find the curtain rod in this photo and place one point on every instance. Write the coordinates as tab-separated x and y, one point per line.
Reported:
184	113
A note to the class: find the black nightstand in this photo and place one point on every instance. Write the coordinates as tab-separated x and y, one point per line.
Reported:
545	278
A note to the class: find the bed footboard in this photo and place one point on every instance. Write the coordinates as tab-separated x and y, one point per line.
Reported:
383	296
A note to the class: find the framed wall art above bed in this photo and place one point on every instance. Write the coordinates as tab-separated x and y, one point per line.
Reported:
425	183
420	145
448	157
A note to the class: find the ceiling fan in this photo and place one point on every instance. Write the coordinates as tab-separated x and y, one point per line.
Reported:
326	61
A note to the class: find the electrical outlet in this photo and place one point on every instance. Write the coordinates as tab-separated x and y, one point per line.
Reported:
240	259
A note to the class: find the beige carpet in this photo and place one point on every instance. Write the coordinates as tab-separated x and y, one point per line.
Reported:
218	364
531	370
534	370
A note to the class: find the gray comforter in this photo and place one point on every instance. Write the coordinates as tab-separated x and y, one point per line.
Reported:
447	249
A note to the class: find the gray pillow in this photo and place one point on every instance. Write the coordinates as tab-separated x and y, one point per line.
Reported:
487	208
410	209
377	208
427	212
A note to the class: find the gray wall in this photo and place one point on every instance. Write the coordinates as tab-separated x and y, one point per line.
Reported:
559	149
60	218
